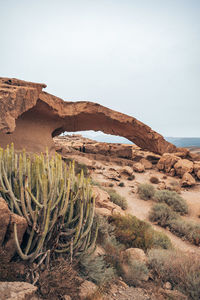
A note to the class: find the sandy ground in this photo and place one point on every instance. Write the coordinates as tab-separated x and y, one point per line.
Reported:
141	208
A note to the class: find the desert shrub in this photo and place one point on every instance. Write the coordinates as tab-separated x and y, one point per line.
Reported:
136	272
160	240
154	180
96	183
182	270
96	269
146	191
59	280
131	177
162	214
121	184
134	233
171	198
111	185
186	229
175	186
117	199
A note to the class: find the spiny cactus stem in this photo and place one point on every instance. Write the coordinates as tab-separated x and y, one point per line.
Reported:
12	196
21	254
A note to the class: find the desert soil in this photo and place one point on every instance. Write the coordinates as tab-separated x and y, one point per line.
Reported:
141	208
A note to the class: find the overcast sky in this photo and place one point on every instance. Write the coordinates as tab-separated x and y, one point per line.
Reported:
140	57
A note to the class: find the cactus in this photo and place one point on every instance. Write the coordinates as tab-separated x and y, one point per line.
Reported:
58	206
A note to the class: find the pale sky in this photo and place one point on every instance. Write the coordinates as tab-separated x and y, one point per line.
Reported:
139	57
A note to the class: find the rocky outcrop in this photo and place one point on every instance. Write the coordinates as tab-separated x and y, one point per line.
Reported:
7	220
30	118
17	291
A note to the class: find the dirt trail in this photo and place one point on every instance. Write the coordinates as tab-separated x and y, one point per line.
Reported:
141	208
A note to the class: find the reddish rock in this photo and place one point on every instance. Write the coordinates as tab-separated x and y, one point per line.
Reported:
7	220
146	163
138	167
30	118
187	180
167	161
183	166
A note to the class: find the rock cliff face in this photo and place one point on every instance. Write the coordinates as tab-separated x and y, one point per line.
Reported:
30	118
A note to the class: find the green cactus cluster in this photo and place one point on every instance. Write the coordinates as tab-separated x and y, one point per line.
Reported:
57	204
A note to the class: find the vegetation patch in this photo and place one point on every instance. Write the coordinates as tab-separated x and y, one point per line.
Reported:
164	216
146	191
117	199
154	180
134	233
182	270
174	200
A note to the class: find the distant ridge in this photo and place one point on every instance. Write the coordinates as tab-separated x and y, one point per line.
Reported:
184	141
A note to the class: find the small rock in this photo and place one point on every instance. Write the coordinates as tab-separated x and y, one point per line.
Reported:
17	291
167	285
135	254
146	163
187	180
138	167
87	288
67	297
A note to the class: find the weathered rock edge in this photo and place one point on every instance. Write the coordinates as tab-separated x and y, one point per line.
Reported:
30	118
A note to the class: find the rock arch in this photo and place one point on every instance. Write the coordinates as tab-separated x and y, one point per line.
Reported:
30	118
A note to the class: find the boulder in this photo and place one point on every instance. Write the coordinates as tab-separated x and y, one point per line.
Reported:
7	220
167	161
126	171
187	180
138	167
183	166
198	174
146	163
196	167
132	254
86	289
103	205
17	291
30	118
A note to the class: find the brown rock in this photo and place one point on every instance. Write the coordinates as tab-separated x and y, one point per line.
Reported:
4	219
187	180
86	289
32	117
127	171
103	204
10	246
196	167
167	161
183	166
138	167
146	163
198	174
132	254
17	291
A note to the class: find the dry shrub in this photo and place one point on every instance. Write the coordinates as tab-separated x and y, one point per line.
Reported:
182	270
135	272
96	269
186	229
121	184
61	279
146	191
154	180
162	214
171	198
134	233
131	177
117	199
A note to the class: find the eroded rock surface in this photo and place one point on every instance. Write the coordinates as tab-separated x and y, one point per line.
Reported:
30	118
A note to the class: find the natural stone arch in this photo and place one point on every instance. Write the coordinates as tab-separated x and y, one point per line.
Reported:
30	118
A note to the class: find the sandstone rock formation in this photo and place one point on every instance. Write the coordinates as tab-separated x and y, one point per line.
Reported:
18	291
30	118
7	220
